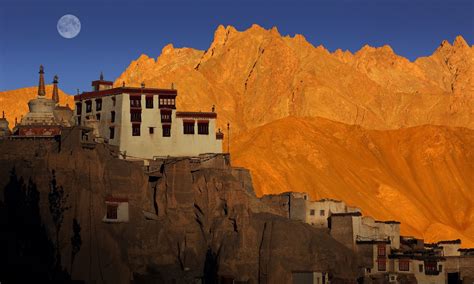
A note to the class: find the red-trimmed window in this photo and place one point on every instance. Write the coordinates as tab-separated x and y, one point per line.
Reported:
166	130
168	102
431	267
112	211
381	264
136	101
135	129
135	116
149	101
203	127
381	251
188	127
404	265
165	116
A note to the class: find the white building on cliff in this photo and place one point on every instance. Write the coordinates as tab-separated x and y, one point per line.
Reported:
143	122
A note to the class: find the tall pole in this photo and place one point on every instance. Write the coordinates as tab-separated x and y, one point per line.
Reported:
228	137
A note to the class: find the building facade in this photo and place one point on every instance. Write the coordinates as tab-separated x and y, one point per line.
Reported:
143	122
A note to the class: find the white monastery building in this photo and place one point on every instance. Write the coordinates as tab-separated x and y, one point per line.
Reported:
143	122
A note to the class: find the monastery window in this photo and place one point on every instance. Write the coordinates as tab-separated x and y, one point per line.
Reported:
111	133
116	210
404	265
112	211
166	130
78	108
430	267
312	212
321	212
166	116
98	104
112	116
381	264
188	127
136	116
97	116
381	250
135	129
149	102
151	130
88	106
420	268
78	120
136	102
114	101
203	127
440	268
168	102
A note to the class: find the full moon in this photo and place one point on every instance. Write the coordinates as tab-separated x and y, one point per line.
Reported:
69	26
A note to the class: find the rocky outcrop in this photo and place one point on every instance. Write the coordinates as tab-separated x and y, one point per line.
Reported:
189	218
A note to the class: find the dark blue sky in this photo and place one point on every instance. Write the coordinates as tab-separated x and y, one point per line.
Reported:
115	32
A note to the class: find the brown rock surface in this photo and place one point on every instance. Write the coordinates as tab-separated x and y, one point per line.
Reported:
421	176
205	215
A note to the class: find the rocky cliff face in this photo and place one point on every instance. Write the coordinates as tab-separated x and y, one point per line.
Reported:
191	218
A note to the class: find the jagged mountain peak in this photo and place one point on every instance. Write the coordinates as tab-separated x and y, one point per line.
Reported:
460	42
367	49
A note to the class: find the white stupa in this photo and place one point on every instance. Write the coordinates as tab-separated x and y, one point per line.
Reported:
41	109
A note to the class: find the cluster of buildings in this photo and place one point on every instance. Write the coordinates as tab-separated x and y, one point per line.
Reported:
386	256
142	123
